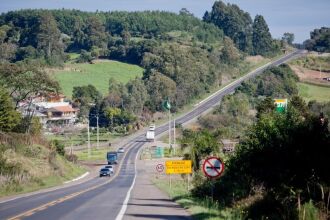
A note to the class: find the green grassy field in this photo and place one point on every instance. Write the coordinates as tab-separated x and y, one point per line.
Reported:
97	74
313	92
96	154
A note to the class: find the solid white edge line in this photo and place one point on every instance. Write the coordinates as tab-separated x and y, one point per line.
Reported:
78	178
124	207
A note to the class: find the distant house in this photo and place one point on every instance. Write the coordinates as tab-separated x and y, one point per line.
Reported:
50	109
229	145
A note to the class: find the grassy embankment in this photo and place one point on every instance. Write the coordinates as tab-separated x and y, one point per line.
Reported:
97	74
28	164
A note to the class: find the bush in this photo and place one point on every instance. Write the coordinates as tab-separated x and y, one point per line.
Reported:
59	147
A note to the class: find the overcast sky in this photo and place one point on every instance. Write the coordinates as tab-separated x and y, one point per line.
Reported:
296	16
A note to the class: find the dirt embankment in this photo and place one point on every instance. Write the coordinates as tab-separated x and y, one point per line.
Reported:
311	76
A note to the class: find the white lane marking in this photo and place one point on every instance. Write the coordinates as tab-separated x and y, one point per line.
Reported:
78	178
124	207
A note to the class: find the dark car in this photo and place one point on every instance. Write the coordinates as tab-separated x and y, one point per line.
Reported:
105	172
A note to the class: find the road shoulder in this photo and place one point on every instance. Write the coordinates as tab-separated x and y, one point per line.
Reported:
149	202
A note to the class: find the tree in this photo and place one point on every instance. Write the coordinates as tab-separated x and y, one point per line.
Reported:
288	38
48	36
96	35
265	107
84	97
26	81
235	23
137	96
229	53
198	145
160	87
319	40
261	39
9	117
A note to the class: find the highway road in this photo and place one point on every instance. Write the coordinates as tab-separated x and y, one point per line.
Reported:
103	198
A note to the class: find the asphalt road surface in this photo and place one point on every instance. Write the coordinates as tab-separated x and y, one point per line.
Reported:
103	198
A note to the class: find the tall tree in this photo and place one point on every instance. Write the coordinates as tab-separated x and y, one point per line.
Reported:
288	38
160	87
95	31
261	39
234	22
48	36
137	96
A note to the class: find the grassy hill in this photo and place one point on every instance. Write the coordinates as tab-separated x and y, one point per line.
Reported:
97	74
30	163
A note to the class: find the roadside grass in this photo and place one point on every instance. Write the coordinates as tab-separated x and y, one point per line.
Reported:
96	154
314	92
19	184
81	138
205	209
97	74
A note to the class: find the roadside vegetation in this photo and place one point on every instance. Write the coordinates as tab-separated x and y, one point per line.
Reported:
263	178
29	163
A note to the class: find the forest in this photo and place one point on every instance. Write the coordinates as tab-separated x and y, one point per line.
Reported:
183	56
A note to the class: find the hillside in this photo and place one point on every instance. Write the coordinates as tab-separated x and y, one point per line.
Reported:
30	163
97	74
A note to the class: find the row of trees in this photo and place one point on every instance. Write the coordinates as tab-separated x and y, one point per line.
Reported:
319	40
252	37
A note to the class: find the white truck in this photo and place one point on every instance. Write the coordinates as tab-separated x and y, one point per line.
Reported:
150	136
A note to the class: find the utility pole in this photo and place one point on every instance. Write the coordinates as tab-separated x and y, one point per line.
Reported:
97	129
169	128
174	136
88	139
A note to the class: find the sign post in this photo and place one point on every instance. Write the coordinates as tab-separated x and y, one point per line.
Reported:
213	167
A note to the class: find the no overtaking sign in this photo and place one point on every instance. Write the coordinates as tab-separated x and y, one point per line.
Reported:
213	167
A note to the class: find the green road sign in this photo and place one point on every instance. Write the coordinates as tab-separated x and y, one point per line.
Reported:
167	105
281	104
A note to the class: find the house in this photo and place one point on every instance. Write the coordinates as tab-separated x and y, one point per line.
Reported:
229	145
51	109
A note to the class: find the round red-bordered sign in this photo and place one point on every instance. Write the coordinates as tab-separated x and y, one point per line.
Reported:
160	167
213	167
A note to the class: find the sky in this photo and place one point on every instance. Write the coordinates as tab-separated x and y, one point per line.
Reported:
296	16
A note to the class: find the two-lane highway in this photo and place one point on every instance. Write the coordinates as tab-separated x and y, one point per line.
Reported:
103	198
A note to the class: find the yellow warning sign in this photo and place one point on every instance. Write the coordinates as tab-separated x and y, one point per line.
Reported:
178	166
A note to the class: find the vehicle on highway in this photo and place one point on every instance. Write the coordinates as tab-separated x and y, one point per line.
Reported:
121	150
150	136
110	167
152	127
112	157
105	172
